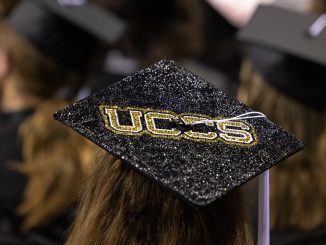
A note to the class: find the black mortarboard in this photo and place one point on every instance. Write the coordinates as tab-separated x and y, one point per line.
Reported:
290	52
147	120
65	30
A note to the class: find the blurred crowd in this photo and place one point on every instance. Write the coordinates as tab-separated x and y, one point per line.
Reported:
48	60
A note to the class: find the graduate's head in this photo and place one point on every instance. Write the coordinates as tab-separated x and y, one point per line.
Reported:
33	72
161	28
183	149
294	68
285	81
46	45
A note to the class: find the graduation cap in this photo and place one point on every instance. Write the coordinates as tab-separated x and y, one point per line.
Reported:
289	51
65	30
178	130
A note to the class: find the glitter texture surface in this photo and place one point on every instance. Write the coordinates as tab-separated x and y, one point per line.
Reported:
198	171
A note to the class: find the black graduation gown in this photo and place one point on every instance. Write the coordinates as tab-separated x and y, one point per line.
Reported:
293	236
12	185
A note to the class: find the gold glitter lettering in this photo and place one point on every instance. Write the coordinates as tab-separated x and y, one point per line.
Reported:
111	118
231	132
235	131
150	118
187	119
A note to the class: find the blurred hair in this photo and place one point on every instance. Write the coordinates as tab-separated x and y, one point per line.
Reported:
318	6
54	157
120	206
55	160
161	28
6	6
298	185
37	74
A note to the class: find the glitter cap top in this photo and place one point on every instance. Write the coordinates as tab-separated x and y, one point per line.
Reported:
154	121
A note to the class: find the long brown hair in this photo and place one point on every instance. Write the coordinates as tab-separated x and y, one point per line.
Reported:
55	160
318	6
298	185
120	206
53	155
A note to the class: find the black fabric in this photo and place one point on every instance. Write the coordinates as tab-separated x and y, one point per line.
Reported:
56	37
293	236
220	47
302	80
285	31
286	56
67	34
11	182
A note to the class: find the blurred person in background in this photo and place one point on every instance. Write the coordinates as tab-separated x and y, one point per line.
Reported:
190	32
163	28
42	167
157	29
220	48
286	81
